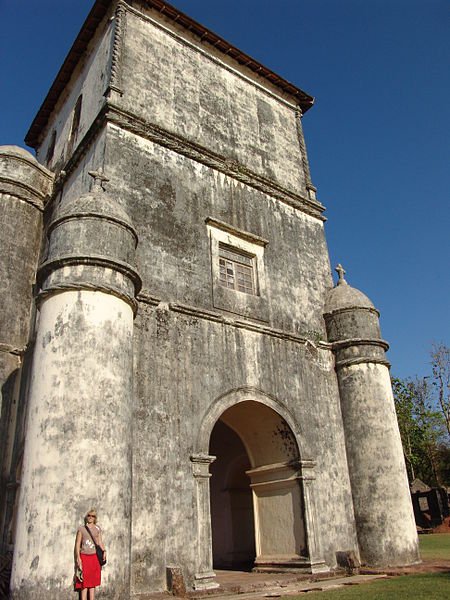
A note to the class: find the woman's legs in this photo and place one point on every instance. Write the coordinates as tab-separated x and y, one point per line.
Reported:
91	594
84	594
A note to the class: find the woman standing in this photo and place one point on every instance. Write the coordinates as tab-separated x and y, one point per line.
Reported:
86	556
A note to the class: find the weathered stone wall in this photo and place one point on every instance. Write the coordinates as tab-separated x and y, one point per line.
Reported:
170	198
181	85
184	363
90	79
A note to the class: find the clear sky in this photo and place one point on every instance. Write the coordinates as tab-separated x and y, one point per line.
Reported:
377	136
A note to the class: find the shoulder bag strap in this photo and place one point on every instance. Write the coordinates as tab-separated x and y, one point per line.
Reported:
92	537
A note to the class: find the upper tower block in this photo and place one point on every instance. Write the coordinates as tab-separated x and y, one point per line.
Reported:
149	63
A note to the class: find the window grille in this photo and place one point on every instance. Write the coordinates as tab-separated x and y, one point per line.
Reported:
237	270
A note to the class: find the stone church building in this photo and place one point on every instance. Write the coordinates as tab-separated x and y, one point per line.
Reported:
173	351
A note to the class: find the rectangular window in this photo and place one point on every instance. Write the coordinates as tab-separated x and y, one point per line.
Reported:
237	270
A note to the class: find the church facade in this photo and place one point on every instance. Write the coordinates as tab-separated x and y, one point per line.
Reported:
173	351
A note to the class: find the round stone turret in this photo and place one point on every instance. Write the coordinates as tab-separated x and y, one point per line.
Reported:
381	500
25	187
81	392
92	243
352	324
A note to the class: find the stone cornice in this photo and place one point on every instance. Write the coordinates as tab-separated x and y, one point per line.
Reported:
349	362
111	113
21	191
245	235
341	344
194	151
87	287
351	309
93	260
8	349
218	317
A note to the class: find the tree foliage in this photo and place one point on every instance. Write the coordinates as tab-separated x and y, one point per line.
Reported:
423	413
440	364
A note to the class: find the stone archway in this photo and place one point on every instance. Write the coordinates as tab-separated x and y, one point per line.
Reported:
257	511
281	482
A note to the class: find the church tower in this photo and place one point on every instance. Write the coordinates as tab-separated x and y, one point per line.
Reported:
181	377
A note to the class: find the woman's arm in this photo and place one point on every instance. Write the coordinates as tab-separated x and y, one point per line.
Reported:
77	549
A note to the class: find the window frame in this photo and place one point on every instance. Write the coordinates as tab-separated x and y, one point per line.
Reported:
244	243
240	269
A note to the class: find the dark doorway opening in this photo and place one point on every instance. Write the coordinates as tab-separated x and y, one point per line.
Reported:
232	517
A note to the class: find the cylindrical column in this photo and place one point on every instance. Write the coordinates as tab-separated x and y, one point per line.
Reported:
78	438
382	504
385	521
24	189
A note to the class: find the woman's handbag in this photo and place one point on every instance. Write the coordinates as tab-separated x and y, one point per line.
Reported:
98	550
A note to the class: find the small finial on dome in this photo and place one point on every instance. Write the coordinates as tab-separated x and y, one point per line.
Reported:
341	272
99	178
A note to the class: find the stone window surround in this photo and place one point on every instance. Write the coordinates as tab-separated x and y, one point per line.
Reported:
249	305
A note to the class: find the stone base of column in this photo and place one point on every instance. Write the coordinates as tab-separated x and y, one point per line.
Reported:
205	581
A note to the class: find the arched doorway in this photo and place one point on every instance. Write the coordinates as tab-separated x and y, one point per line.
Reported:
257	513
232	519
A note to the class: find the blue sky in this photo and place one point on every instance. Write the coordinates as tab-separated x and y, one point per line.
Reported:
377	137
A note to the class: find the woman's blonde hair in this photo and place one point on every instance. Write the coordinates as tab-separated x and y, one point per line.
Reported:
91	512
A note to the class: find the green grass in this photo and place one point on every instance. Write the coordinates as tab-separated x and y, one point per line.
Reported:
422	586
426	586
435	546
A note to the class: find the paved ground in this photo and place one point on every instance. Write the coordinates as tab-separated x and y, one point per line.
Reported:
255	586
243	585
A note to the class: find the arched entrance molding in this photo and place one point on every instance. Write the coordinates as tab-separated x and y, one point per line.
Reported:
301	470
233	397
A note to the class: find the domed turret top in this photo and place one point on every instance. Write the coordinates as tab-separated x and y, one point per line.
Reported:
96	202
344	295
19	152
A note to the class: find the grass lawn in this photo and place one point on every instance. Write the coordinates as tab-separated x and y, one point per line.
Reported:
422	586
435	546
426	586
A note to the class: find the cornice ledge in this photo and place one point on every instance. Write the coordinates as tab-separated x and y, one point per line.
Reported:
23	192
8	349
96	260
218	317
245	235
339	311
363	360
341	344
232	168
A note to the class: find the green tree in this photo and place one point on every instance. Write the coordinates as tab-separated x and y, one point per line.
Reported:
440	365
420	429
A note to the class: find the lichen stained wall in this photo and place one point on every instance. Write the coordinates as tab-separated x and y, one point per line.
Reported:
170	197
183	364
184	87
91	79
187	357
